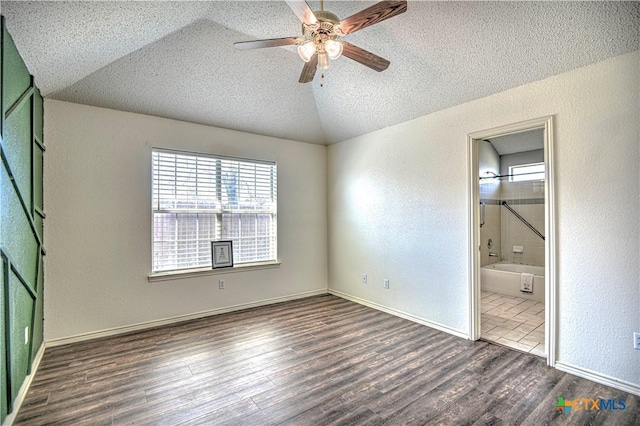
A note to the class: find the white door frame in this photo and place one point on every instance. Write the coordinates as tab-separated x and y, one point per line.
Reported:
545	123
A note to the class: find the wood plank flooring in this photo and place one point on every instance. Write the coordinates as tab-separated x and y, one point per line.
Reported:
314	361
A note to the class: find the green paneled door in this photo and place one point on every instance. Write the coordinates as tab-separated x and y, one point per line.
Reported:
21	222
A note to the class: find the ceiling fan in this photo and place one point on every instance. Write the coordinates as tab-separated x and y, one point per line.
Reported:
321	33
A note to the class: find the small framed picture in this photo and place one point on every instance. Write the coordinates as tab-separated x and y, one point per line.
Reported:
221	254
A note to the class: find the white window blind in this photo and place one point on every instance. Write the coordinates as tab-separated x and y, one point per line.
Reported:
200	198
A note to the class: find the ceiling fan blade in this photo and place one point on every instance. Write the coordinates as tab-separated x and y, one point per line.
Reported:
302	11
372	15
273	42
309	70
368	59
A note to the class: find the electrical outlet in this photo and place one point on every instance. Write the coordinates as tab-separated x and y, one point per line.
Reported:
364	278
636	340
221	284
386	283
26	335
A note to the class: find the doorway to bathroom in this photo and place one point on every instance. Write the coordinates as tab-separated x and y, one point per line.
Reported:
512	237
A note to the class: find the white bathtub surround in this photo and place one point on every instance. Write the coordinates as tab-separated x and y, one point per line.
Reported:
514	322
506	278
489	165
515	233
518	268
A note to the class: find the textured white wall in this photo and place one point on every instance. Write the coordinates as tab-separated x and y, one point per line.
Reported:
98	205
398	209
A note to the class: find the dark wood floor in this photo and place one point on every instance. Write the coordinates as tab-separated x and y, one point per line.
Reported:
314	361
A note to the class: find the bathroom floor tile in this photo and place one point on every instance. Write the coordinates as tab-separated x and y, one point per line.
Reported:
488	297
507	304
518	309
538	350
495	333
531	342
496	311
535	309
511	324
515	335
513	321
531	319
527	328
514	344
487	326
537	335
494	319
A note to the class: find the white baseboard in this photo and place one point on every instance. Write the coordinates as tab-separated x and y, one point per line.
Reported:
142	326
594	376
22	393
400	314
603	379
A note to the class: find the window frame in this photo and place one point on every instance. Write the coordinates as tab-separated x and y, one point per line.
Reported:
522	177
183	272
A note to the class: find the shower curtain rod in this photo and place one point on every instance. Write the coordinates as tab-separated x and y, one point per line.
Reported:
495	176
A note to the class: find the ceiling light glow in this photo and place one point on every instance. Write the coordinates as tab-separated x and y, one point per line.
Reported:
333	49
306	51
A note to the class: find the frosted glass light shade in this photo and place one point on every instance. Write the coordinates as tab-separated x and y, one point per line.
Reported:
323	61
333	49
306	51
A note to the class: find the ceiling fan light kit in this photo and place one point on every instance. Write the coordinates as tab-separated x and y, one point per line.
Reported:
333	49
321	31
321	38
306	51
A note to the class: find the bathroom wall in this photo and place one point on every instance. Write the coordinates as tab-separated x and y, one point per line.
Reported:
489	163
527	198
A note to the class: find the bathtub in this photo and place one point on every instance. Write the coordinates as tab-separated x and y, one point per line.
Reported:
504	278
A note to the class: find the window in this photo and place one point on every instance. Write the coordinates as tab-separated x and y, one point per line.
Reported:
525	172
198	198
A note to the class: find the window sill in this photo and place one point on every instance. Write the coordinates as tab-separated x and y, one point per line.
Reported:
199	272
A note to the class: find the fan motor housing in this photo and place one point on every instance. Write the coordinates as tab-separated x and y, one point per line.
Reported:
325	16
325	28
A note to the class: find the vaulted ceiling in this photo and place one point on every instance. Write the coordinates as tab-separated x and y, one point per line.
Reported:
177	60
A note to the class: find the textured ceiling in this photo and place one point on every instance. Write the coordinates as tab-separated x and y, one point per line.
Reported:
177	60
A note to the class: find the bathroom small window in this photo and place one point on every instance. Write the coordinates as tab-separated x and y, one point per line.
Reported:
525	172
